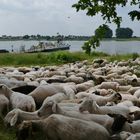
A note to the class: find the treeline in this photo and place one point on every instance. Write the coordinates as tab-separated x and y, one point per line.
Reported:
105	32
43	37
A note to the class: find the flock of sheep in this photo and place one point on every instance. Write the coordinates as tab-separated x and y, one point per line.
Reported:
77	101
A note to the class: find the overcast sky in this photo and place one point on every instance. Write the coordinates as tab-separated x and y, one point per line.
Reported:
47	17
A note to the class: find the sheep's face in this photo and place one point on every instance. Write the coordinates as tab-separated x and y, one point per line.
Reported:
86	105
46	109
117	97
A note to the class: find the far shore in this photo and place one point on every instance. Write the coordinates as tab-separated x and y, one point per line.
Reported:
105	39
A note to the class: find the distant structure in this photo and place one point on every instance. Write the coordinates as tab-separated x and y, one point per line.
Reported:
12	48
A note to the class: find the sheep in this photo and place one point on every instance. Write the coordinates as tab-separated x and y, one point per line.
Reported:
92	107
74	79
44	91
133	89
101	100
133	127
65	128
58	97
109	85
84	86
18	100
137	93
124	88
16	116
54	108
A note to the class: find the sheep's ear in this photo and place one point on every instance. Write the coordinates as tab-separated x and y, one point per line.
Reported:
14	120
54	107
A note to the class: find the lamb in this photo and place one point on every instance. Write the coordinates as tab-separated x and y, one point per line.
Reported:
65	128
18	100
92	107
16	116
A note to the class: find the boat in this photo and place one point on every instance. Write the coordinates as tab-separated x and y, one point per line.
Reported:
49	47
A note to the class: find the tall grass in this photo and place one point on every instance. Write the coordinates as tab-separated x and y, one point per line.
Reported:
56	58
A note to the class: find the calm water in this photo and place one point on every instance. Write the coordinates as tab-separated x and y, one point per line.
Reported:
111	47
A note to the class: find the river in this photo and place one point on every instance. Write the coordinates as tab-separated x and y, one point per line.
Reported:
110	47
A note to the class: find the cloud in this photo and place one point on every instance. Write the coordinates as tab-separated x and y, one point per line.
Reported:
19	17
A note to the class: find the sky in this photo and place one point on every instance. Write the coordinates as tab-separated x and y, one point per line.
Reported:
47	17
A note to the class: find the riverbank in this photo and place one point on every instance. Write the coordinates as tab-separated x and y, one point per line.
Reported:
84	39
56	58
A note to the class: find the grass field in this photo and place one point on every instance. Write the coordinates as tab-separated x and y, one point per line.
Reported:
56	58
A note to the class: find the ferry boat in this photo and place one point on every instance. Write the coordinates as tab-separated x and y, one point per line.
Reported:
49	47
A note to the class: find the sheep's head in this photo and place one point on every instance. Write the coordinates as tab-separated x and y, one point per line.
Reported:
47	109
86	105
11	118
116	97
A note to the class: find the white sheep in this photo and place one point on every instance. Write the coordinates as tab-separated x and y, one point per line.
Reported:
84	86
65	128
101	100
109	85
92	107
18	100
16	116
43	91
54	108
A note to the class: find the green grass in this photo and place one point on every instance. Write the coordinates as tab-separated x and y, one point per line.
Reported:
26	59
56	58
6	133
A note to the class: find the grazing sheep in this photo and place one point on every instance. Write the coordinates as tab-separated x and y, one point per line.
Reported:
53	108
58	127
18	100
101	100
137	93
74	79
16	116
133	127
92	107
109	85
84	86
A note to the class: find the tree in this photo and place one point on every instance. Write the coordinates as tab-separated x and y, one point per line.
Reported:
124	33
26	37
108	11
104	30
